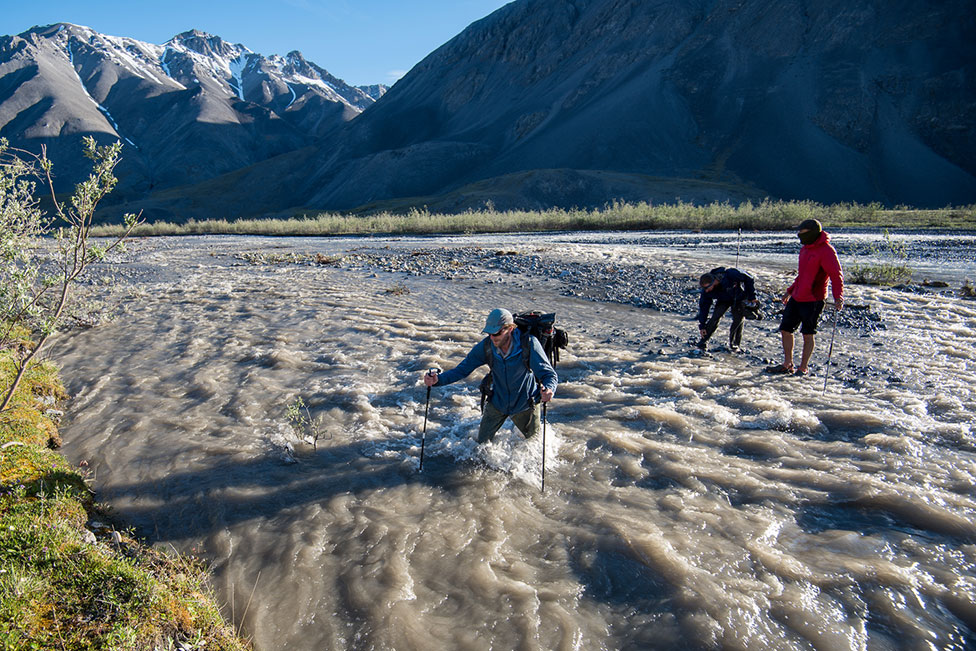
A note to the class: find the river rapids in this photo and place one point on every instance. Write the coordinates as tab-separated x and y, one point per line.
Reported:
691	501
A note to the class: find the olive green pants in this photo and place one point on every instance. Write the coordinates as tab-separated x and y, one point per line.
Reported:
527	421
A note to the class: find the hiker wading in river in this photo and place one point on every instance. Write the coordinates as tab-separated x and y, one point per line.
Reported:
727	288
805	297
522	376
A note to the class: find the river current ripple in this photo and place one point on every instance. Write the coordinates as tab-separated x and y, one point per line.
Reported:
690	502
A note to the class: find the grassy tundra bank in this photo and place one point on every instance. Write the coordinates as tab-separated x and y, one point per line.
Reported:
67	582
768	215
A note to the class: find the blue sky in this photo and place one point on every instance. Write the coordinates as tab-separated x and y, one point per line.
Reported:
359	41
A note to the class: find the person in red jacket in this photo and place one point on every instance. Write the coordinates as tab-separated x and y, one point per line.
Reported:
805	297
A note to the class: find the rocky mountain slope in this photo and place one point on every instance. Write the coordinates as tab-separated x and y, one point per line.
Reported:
580	102
190	109
824	99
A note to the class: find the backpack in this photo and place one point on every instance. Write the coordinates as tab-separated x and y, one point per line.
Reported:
540	326
752	313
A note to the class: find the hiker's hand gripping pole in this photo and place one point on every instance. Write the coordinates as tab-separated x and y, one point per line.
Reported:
432	372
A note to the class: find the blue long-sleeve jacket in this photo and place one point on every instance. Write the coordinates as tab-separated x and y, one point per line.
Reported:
733	285
515	388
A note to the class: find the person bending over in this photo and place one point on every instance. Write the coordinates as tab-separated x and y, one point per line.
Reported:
727	288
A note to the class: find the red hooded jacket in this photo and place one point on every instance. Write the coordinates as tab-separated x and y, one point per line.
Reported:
818	262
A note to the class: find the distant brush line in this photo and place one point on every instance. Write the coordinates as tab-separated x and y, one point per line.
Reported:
764	216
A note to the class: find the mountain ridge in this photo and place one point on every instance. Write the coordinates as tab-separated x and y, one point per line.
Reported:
583	102
190	109
823	100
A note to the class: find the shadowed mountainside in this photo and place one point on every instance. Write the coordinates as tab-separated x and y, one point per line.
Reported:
824	100
580	102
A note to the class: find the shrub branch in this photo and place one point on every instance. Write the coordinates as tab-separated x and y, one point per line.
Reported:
32	301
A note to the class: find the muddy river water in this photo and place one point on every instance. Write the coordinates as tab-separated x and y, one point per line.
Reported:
690	502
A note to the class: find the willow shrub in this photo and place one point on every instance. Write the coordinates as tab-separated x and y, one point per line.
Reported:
892	267
34	293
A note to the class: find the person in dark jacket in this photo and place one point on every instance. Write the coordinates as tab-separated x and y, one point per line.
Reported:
805	298
727	289
522	376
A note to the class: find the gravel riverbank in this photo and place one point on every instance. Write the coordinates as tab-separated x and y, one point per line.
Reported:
637	285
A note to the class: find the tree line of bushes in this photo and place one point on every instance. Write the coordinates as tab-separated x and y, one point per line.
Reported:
766	215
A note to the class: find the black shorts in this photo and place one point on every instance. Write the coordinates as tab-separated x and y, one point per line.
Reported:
805	314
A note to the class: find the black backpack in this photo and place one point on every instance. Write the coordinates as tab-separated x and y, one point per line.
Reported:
540	326
750	312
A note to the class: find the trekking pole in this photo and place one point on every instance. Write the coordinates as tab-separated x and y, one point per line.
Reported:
738	240
423	438
544	406
830	351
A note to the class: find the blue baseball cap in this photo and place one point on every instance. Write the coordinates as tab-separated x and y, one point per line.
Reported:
496	319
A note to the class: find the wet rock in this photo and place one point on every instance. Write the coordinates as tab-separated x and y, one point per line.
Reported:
55	415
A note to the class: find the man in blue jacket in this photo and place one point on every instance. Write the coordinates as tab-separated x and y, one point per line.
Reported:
727	288
522	376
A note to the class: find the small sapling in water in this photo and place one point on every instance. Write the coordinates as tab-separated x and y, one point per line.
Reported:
307	429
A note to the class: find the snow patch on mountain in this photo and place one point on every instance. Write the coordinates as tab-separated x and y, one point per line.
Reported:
236	69
322	85
104	111
192	56
164	66
137	57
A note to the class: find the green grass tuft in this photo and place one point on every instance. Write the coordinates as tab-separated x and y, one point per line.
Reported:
878	274
893	269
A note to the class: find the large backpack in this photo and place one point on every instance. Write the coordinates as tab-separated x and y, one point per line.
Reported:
534	324
542	327
751	312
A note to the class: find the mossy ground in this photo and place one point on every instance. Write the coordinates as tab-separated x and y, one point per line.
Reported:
66	583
